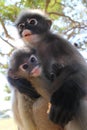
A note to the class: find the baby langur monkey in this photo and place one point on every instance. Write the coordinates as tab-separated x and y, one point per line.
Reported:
30	112
62	64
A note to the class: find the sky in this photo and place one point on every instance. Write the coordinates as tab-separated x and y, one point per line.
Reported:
5	48
3	104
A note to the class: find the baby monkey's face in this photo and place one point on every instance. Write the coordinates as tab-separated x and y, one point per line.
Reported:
26	66
30	68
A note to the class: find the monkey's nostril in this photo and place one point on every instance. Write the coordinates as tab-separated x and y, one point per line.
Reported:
52	76
25	66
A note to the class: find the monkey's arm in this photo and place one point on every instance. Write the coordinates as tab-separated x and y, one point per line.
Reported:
23	86
65	102
68	89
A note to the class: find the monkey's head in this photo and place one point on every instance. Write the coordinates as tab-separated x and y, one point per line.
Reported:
24	63
31	23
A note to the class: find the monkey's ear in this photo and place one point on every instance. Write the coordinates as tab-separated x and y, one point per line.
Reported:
12	74
49	23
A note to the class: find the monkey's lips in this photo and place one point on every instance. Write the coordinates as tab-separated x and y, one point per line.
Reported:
26	34
29	38
36	72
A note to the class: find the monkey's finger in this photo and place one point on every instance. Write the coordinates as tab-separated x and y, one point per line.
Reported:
60	115
49	107
54	113
64	117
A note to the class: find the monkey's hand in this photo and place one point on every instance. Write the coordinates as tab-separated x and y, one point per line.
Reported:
65	102
24	87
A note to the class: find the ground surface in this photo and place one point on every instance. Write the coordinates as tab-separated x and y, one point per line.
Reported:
7	124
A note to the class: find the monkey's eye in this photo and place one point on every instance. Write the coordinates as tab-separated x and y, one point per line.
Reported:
32	59
21	26
32	21
25	66
52	76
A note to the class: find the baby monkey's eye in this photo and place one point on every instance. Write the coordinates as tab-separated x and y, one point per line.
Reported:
32	59
21	26
32	21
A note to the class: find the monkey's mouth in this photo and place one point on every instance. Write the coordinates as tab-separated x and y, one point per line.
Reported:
26	33
36	72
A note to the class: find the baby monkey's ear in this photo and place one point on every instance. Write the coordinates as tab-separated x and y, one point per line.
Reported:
12	74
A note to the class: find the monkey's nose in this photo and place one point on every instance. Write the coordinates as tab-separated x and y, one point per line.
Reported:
25	66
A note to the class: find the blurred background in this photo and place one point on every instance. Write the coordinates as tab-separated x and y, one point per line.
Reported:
69	20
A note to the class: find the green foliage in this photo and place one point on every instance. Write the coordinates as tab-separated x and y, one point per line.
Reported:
33	3
10	11
7	89
7	98
54	7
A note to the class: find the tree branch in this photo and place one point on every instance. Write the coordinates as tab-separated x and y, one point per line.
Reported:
63	15
8	43
55	2
46	5
5	30
74	27
3	66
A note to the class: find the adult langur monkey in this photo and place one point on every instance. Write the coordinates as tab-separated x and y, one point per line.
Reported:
30	68
23	105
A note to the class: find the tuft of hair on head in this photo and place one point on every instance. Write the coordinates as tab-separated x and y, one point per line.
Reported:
27	11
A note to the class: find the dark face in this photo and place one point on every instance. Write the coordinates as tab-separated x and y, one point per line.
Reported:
29	24
25	64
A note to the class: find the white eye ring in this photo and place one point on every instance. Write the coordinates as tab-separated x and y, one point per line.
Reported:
32	58
32	21
20	26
